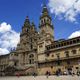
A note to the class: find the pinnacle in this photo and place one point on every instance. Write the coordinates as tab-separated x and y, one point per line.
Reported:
45	9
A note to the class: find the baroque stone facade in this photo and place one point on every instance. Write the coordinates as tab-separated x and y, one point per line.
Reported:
38	52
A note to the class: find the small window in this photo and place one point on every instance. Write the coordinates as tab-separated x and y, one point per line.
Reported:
74	41
51	46
42	22
31	56
48	48
47	54
77	67
16	54
31	46
24	44
74	51
67	53
56	46
51	67
52	55
70	42
78	40
61	44
58	55
27	30
40	46
47	20
58	63
67	43
31	59
15	64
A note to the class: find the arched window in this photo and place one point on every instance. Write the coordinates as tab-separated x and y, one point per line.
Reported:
42	21
27	30
31	59
58	55
67	53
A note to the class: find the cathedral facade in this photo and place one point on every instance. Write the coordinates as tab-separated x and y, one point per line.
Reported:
38	51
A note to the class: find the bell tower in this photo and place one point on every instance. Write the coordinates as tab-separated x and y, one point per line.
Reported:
46	35
25	35
45	25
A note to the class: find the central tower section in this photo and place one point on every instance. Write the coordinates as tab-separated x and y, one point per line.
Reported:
46	33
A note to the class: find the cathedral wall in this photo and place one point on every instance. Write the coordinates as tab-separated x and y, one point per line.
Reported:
61	52
57	59
41	57
4	61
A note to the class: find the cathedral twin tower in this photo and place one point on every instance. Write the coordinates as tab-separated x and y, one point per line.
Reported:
29	31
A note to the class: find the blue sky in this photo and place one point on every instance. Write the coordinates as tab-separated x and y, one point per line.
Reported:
65	18
14	12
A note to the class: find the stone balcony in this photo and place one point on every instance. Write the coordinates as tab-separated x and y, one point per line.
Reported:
61	58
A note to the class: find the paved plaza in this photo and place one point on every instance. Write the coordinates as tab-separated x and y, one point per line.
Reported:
42	78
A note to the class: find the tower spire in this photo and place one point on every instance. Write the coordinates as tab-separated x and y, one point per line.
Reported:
27	21
33	26
45	24
26	25
45	10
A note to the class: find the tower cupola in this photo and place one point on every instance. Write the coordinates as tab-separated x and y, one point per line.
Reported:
45	12
27	22
45	18
33	27
45	23
26	26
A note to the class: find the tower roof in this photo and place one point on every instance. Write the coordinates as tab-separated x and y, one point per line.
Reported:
45	12
33	26
27	21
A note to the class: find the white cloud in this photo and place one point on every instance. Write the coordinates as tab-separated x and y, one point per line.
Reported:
8	38
74	34
4	27
67	9
3	51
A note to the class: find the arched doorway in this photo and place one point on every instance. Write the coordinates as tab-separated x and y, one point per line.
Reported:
31	59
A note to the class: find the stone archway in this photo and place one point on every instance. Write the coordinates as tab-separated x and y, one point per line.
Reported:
31	59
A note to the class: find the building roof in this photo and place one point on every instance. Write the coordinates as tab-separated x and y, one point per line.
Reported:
62	42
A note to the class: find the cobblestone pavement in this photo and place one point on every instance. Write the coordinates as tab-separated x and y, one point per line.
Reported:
42	78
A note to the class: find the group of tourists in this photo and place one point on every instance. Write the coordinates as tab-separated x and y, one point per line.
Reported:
59	72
